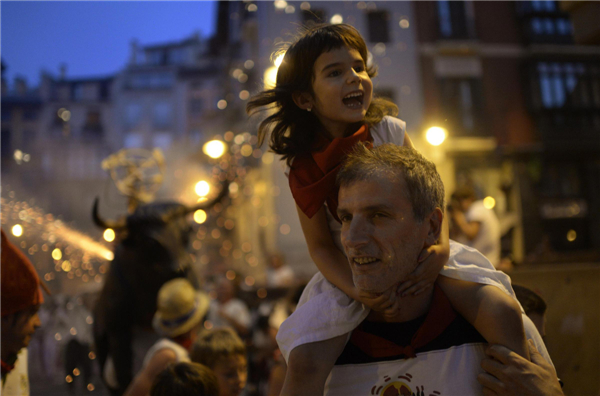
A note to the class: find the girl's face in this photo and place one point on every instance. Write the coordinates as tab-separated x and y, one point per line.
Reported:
342	90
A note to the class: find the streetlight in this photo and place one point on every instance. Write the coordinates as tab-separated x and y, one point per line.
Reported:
202	188
435	135
214	148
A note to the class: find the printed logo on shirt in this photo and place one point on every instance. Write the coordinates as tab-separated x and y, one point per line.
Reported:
400	387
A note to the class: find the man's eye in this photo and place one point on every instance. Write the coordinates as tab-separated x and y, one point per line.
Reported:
379	215
345	218
335	73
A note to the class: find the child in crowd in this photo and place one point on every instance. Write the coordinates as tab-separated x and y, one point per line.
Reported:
185	379
224	352
323	105
178	316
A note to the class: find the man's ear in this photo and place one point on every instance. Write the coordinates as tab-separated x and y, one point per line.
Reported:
303	100
434	220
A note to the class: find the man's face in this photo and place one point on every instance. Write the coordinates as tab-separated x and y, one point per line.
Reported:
18	329
380	234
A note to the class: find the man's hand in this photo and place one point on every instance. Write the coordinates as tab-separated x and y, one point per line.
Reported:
509	374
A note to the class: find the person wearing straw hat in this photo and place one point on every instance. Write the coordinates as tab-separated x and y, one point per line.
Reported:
21	300
179	313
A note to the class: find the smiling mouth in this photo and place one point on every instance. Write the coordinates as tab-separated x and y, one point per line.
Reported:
354	100
364	261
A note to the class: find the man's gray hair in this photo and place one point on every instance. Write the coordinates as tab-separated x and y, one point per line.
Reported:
425	189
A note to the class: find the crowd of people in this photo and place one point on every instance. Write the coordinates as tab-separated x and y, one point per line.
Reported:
396	307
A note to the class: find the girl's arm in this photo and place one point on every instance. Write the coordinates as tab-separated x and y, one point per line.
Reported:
334	265
407	141
329	259
495	314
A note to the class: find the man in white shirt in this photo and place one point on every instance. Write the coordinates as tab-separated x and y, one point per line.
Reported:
477	224
228	310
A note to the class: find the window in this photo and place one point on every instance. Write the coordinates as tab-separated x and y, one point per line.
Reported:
30	115
573	85
566	96
177	56
378	22
452	20
195	106
134	140
543	22
311	17
156	57
133	114
77	92
162	115
162	141
462	105
93	122
151	80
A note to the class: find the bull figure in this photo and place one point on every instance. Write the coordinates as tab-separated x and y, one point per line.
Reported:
152	251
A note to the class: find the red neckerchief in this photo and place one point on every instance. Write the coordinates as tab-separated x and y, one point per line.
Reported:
312	175
185	342
6	368
439	317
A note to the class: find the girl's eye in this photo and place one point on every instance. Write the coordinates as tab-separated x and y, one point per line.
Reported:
359	69
335	73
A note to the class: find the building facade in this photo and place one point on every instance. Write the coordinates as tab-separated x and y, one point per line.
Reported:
520	102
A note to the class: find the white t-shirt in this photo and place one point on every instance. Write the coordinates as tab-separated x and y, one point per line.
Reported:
280	277
181	354
17	381
487	240
235	308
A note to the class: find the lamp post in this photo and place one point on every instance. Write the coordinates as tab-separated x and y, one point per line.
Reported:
436	137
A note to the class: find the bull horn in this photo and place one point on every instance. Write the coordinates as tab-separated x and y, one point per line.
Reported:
115	225
182	211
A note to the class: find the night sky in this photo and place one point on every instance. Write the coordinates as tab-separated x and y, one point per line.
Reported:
92	38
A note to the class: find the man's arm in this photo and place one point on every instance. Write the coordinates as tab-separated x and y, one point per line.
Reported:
509	374
143	381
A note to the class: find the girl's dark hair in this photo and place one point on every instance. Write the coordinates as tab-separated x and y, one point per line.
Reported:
185	379
293	130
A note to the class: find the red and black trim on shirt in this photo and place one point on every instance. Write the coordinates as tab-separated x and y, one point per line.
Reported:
441	328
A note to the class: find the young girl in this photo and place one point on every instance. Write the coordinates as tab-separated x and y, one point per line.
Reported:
323	105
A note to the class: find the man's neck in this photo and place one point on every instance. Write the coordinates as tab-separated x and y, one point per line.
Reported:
411	307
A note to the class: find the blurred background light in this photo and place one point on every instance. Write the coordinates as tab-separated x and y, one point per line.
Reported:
489	202
435	136
214	148
109	235
17	230
202	188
